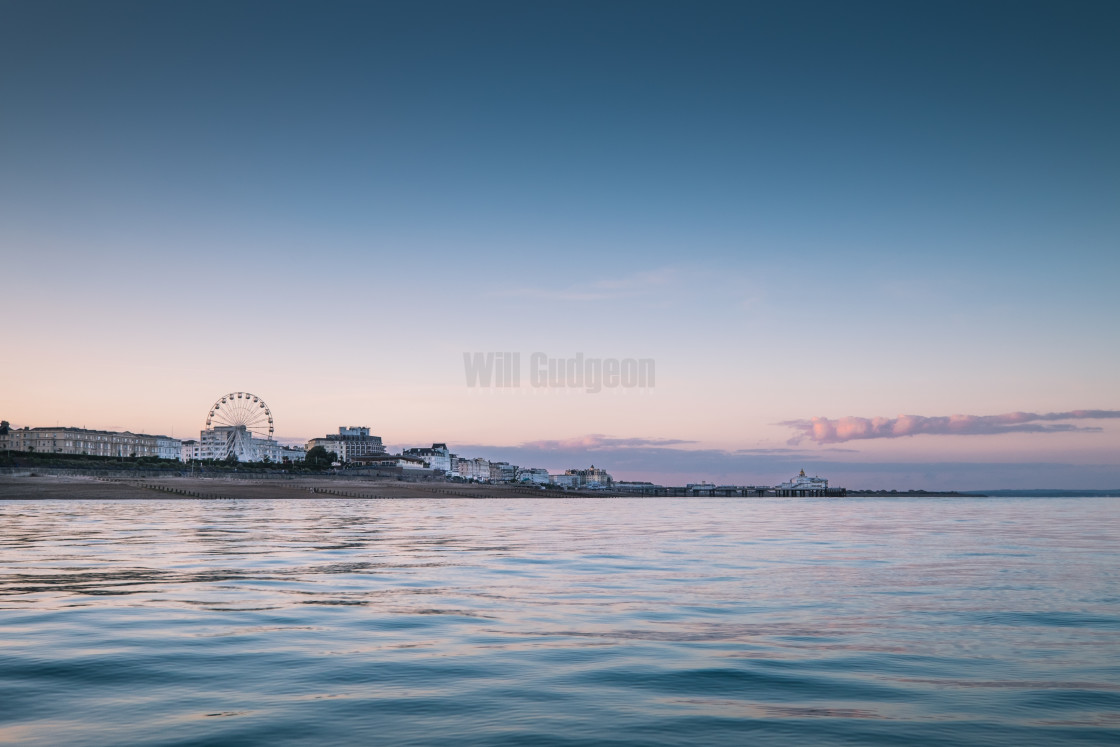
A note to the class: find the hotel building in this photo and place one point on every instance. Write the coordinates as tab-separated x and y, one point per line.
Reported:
67	440
350	443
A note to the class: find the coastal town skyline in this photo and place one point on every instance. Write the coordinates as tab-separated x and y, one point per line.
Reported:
874	241
551	454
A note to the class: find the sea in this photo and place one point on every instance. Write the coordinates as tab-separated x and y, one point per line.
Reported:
583	621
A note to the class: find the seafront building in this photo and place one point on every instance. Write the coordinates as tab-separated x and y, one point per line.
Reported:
190	450
477	470
166	447
636	487
398	461
67	440
503	472
214	443
225	441
483	470
292	453
565	480
535	475
350	443
220	444
591	477
437	458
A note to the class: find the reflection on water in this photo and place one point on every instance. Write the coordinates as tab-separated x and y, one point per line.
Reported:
623	622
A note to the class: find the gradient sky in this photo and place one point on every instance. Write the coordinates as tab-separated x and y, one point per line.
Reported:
799	210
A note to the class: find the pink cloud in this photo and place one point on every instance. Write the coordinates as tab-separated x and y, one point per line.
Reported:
599	441
830	431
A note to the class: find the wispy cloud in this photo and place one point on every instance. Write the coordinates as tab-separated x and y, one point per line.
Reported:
829	431
599	441
600	290
670	459
677	462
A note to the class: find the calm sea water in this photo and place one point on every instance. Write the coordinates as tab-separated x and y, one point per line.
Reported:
560	622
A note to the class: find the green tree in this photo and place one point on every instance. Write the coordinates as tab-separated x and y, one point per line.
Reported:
317	457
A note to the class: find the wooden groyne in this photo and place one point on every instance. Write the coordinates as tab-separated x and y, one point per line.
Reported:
168	489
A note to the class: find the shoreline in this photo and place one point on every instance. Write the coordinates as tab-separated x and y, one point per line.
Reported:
76	487
42	486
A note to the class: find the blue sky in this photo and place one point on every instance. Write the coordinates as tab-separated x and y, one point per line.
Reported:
798	209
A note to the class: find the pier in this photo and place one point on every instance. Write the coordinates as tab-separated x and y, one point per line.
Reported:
801	486
732	491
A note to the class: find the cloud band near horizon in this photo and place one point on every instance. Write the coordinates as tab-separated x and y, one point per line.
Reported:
829	431
677	462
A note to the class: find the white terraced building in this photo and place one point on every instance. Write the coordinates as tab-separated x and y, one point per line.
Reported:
535	475
66	440
258	448
438	457
190	450
503	472
474	469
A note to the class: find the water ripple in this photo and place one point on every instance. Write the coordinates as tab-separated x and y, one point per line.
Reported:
554	622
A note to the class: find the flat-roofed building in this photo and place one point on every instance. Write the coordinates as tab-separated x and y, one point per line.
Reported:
399	461
564	481
647	488
474	469
292	453
190	450
350	443
591	476
503	472
535	475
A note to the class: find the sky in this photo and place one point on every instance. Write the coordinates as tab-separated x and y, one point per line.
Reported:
879	241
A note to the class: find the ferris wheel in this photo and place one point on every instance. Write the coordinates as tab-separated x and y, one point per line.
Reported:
241	410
